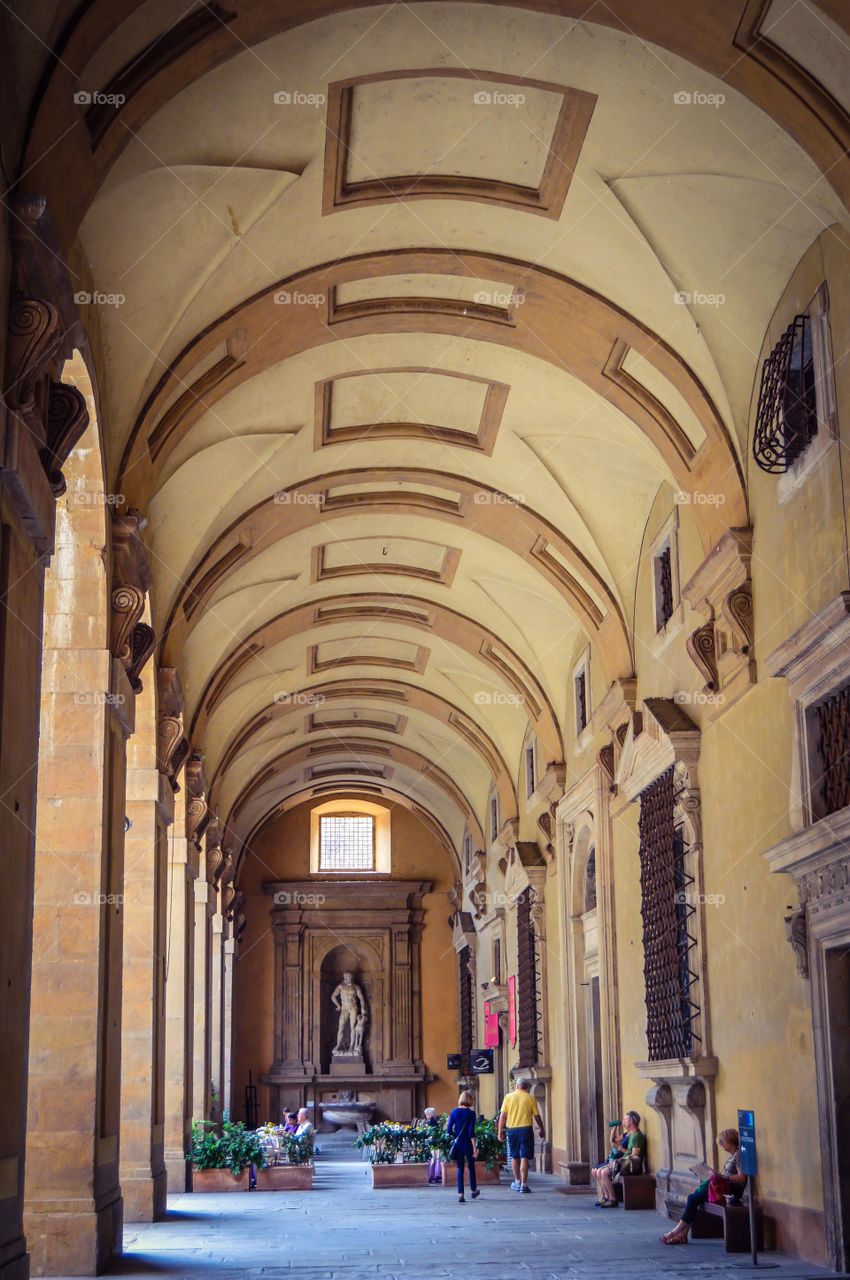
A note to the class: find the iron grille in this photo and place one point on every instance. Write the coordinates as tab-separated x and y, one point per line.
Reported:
833	720
581	700
590	881
786	418
466	996
667	911
528	982
665	587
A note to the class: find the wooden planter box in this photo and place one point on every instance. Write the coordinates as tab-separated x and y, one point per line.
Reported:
385	1176
218	1180
285	1177
484	1176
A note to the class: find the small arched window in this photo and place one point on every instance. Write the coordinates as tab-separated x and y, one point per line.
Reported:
590	880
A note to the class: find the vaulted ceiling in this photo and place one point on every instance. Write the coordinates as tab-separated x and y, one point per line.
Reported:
421	305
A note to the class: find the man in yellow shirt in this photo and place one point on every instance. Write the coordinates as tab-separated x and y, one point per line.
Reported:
518	1111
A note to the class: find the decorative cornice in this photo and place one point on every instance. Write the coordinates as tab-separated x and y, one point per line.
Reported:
659	736
722	647
825	635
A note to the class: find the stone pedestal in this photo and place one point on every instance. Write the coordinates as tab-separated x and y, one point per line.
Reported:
347	1064
682	1096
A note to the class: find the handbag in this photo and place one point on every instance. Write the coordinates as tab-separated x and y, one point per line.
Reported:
718	1189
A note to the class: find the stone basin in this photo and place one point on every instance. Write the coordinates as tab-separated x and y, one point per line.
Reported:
345	1115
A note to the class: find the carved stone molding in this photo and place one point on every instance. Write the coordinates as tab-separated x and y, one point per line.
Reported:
722	647
198	815
477	880
131	640
463	932
659	736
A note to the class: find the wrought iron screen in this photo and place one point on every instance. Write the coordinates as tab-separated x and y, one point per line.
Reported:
346	842
786	419
667	910
664	603
466	998
581	700
528	983
833	722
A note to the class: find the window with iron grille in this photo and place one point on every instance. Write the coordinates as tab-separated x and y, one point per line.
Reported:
581	700
663	571
467	851
466	1006
494	817
669	941
497	959
346	842
530	780
832	721
528	986
787	414
590	881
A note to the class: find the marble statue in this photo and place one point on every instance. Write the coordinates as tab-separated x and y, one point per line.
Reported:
349	1000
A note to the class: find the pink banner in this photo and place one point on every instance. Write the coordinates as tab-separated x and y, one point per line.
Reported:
512	1009
491	1027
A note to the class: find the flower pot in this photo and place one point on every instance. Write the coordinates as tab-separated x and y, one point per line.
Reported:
483	1175
218	1180
285	1177
385	1176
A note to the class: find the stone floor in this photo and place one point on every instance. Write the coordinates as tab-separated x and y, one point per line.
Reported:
343	1230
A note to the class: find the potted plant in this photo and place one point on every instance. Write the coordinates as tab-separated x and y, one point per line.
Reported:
397	1153
221	1157
491	1153
287	1163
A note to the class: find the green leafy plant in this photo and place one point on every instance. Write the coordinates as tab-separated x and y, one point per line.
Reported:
383	1141
228	1146
490	1150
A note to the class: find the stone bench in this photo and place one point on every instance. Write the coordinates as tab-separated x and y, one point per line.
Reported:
636	1191
732	1223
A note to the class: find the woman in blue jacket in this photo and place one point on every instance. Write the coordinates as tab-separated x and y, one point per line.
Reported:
461	1127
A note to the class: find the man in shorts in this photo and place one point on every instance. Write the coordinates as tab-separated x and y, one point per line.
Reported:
519	1111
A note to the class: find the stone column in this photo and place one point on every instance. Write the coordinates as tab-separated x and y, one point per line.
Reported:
179	1001
227	1020
216	1010
204	907
150	810
40	423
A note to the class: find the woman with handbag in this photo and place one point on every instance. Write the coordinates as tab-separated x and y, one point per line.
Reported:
631	1160
729	1182
460	1126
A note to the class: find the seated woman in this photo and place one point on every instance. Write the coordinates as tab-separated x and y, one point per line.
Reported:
291	1125
730	1181
631	1160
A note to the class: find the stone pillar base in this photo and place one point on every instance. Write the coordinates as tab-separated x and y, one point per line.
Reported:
144	1196
178	1174
68	1241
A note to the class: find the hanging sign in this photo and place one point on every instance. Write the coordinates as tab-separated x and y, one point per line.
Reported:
491	1027
481	1062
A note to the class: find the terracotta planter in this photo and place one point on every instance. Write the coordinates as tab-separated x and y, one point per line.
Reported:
218	1180
285	1177
385	1176
484	1176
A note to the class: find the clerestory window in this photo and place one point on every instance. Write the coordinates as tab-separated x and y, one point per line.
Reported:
346	842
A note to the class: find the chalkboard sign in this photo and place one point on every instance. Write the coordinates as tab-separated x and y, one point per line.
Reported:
481	1062
747	1135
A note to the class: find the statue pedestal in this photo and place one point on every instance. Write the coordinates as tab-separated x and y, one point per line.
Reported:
347	1064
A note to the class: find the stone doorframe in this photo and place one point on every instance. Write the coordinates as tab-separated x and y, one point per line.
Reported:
658	737
583	819
815	661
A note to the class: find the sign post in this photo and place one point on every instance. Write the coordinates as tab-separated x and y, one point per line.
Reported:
749	1166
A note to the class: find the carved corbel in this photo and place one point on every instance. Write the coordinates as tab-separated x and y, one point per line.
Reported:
131	640
198	816
797	932
701	647
477	880
722	647
67	419
228	898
